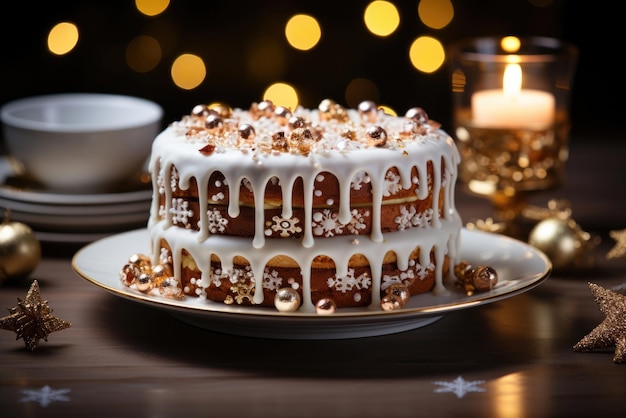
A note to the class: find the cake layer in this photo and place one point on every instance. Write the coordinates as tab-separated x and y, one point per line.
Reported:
220	266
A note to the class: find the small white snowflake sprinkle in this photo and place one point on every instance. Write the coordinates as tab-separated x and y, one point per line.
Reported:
45	396
460	387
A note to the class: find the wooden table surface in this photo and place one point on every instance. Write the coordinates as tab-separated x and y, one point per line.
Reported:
511	358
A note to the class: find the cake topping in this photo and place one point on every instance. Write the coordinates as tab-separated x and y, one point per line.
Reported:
268	128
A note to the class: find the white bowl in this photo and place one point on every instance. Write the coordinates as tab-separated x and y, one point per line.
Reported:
81	142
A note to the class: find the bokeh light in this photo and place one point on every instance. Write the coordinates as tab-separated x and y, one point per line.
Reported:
303	32
360	89
427	54
510	43
381	18
265	60
152	7
435	14
143	53
388	110
282	94
62	38
188	71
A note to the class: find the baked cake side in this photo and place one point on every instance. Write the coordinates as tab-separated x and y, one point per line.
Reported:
332	205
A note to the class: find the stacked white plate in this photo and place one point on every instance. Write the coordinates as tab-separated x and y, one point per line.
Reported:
62	217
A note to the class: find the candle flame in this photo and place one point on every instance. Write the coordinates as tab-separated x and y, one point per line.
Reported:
512	80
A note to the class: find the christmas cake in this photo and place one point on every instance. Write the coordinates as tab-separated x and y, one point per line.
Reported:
310	210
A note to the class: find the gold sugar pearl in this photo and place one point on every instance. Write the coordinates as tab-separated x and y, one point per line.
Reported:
349	133
160	273
144	283
287	299
418	114
483	277
142	261
129	274
247	132
325	306
461	269
376	136
214	123
279	142
282	115
223	110
301	140
296	122
326	106
414	127
368	111
170	287
401	291
330	110
266	108
390	302
201	111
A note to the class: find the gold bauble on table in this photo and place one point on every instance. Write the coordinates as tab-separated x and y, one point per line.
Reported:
20	251
564	242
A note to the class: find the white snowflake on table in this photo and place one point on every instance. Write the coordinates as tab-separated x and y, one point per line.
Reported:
348	282
180	211
391	184
409	218
45	396
460	387
285	226
217	223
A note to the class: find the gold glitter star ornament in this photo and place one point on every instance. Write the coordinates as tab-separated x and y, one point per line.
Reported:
32	319
612	331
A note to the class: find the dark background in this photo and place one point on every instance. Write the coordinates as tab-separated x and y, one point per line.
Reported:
222	31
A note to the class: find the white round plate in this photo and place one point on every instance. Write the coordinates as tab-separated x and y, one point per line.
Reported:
520	267
80	210
84	223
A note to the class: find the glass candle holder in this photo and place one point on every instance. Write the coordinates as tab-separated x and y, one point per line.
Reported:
511	100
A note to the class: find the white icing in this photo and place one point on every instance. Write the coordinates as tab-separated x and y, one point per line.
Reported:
351	161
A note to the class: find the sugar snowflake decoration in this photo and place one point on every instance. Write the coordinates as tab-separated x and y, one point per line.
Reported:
286	227
217	223
180	212
348	282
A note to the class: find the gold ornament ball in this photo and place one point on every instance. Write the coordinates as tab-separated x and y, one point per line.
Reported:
20	251
558	240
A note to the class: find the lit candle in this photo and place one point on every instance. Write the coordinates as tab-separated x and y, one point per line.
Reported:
512	107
